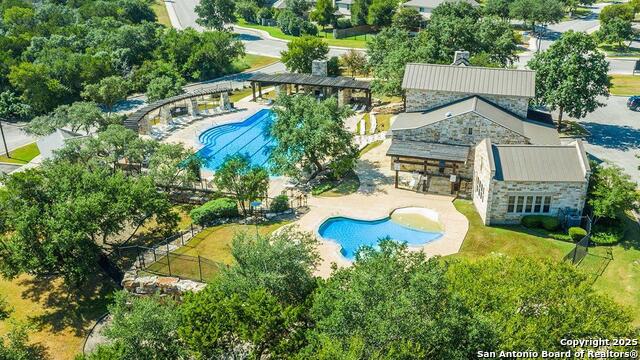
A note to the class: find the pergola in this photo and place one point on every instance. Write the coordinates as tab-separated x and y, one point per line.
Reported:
326	83
419	156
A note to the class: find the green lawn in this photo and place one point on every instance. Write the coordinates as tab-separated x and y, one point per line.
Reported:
160	9
613	50
352	42
625	85
213	245
251	62
347	185
21	155
383	122
370	147
618	277
59	320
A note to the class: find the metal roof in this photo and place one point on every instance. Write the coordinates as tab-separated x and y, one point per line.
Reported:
131	122
425	150
542	163
537	132
432	4
314	80
469	79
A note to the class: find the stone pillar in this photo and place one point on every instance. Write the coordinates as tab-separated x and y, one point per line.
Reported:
319	68
344	96
192	107
224	101
165	114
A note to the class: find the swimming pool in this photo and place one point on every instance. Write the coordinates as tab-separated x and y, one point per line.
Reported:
247	137
351	234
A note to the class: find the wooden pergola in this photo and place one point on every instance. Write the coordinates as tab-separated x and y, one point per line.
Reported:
331	83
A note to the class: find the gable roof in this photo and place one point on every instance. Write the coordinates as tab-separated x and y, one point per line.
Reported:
538	133
432	4
469	80
542	163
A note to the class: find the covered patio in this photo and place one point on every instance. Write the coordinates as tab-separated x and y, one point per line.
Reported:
322	86
439	168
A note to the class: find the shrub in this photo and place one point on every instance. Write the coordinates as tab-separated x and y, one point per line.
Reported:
606	238
265	13
531	221
248	11
343	23
215	209
322	187
308	28
280	203
577	233
550	223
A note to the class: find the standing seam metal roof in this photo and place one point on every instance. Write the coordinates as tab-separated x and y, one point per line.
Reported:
561	163
469	79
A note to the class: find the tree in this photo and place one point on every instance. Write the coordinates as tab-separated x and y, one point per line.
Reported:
11	108
397	306
611	192
388	53
323	14
214	14
407	18
142	328
108	91
499	8
214	56
619	11
137	11
5	308
248	10
298	7
301	52
354	61
163	87
15	346
571	75
360	12
381	12
77	116
537	11
617	31
60	215
245	182
173	165
309	133
522	298
258	305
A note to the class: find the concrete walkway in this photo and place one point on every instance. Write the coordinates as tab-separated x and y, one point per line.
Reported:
375	199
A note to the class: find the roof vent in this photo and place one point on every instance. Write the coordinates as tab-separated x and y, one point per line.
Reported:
448	114
461	58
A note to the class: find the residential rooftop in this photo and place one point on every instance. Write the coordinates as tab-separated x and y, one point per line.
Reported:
469	80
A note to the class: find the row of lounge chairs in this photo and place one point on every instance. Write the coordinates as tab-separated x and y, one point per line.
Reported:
358	107
159	132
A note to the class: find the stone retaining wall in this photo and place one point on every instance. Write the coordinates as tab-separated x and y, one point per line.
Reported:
163	285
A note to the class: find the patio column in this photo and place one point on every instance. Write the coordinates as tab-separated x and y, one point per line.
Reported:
253	90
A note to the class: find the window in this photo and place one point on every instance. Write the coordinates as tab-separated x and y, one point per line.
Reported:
479	188
511	206
441	165
470	131
422	9
529	204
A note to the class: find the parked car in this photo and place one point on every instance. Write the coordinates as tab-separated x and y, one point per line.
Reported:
633	103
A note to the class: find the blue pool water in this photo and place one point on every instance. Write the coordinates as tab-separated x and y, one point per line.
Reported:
248	137
351	234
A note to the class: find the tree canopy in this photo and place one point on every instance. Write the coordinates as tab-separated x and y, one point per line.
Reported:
611	192
302	51
245	182
214	14
571	75
309	134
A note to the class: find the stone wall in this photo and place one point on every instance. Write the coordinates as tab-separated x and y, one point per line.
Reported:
564	195
455	130
163	285
421	100
483	176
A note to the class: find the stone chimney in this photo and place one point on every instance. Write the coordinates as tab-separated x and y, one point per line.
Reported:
319	68
461	57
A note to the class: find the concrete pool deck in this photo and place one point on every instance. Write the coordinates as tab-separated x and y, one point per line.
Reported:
377	198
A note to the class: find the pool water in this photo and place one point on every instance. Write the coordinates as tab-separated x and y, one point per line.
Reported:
351	234
248	137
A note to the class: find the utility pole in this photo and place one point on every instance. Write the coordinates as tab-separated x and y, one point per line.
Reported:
6	149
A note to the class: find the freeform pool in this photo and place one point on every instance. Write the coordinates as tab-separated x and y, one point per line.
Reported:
351	234
248	137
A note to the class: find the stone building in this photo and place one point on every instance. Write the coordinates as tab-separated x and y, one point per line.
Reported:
511	181
451	110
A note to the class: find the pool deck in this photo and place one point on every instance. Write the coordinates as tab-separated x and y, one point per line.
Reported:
375	199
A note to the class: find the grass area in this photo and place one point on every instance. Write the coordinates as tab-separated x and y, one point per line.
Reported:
240	94
21	155
59	321
615	269
160	9
345	186
615	51
625	85
573	129
513	240
352	42
370	147
214	245
383	122
251	62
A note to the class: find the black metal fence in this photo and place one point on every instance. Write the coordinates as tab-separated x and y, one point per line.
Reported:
579	251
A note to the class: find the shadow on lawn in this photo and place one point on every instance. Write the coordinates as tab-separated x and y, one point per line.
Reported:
66	308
